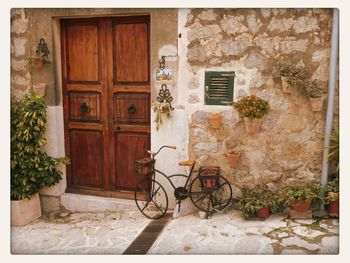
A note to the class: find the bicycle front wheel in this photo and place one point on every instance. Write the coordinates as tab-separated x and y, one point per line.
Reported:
210	199
151	199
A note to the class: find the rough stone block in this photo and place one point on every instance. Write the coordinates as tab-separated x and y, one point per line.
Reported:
19	45
49	203
300	215
288	46
19	26
305	24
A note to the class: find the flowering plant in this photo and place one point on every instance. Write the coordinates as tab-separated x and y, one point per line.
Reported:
252	107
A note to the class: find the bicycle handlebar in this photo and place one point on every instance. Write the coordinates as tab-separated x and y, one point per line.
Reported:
164	146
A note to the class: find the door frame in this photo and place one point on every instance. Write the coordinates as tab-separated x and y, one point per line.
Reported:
123	194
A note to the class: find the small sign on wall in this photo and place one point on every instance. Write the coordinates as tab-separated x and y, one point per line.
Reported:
164	74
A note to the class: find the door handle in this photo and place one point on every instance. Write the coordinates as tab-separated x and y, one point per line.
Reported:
131	109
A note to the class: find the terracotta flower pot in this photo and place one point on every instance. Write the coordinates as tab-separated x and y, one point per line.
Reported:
301	206
165	109
38	63
317	103
333	208
25	211
263	212
214	120
286	87
233	159
39	88
252	125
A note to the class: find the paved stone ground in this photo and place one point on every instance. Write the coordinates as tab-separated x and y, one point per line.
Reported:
225	233
78	233
230	233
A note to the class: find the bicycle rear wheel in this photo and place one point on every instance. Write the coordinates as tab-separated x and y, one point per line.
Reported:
210	199
151	199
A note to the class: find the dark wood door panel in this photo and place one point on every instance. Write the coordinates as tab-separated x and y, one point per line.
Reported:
83	52
84	106
86	158
105	70
131	58
129	147
132	108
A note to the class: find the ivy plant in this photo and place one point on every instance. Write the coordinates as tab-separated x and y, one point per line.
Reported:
331	191
31	168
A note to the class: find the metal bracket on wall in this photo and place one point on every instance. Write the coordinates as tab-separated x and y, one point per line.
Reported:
165	95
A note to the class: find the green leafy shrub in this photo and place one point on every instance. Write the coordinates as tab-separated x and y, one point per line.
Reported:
302	190
258	197
31	168
312	89
331	191
333	148
252	107
296	75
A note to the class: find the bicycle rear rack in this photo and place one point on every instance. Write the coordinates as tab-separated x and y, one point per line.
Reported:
209	176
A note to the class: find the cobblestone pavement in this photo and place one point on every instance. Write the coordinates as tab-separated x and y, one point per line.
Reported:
224	233
78	233
230	233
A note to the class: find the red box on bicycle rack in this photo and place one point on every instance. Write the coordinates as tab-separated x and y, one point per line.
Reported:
209	176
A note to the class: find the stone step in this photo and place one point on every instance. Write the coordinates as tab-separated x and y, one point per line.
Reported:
86	203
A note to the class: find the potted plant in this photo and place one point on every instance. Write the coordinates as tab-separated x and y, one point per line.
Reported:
331	197
290	75
259	201
160	108
31	169
214	120
37	61
253	109
233	158
315	93
300	194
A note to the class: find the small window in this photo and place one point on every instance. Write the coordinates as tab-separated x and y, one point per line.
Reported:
219	87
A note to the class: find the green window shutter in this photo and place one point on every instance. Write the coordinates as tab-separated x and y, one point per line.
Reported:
219	87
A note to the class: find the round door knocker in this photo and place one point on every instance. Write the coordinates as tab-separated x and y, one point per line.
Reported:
84	107
131	109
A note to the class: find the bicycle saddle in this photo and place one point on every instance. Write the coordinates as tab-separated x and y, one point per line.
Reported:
187	163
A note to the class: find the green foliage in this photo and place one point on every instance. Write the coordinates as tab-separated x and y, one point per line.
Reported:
302	190
258	197
31	168
159	108
252	107
333	148
312	89
296	75
331	191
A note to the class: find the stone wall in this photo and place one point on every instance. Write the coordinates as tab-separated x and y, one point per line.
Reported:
249	41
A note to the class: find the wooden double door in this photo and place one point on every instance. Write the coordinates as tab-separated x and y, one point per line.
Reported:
106	100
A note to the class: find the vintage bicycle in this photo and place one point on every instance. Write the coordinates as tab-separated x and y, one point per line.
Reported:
208	190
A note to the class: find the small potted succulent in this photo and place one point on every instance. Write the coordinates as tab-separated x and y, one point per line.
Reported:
233	158
300	194
160	108
259	201
214	120
290	75
253	109
331	197
315	93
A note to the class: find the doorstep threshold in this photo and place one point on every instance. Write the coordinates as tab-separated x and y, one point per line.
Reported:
87	203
